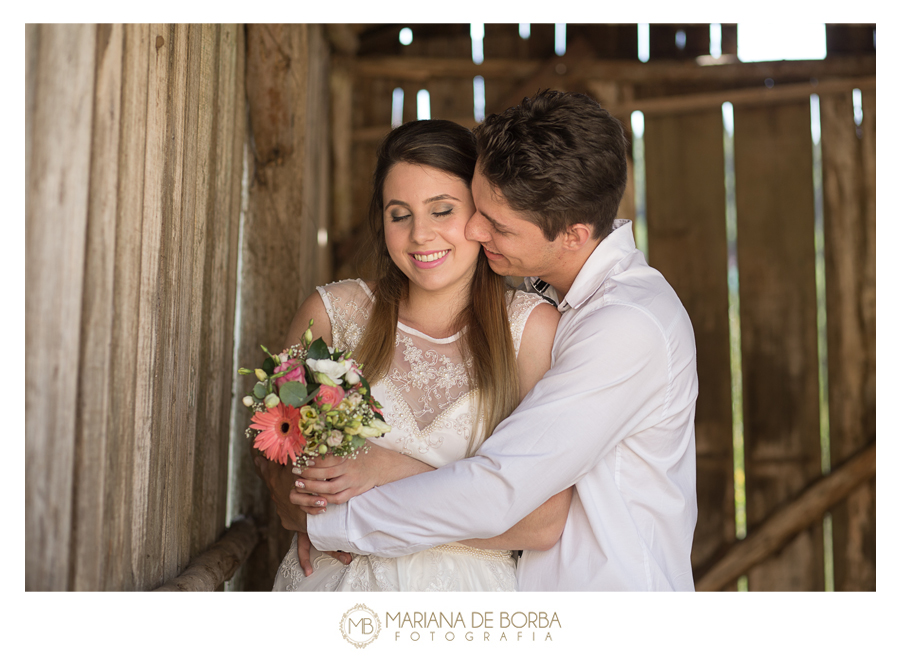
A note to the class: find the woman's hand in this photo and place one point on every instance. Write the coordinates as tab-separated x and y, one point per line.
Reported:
335	480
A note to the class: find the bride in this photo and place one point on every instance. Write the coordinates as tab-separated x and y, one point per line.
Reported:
449	350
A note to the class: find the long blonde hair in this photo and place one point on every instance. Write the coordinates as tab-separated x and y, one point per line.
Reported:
487	341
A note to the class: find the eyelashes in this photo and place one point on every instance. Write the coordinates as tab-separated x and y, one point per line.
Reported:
443	213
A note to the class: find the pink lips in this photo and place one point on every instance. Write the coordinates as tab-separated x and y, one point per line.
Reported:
490	254
430	264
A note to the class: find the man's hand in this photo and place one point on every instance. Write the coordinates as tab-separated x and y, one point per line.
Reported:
303	549
280	482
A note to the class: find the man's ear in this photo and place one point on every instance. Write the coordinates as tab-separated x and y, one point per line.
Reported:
576	236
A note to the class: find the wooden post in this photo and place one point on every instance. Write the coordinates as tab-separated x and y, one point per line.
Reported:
287	93
776	262
686	225
60	92
848	163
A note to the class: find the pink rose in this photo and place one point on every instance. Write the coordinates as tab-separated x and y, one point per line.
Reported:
329	395
295	375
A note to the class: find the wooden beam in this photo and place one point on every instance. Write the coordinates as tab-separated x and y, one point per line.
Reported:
424	68
793	518
755	96
548	75
210	569
377	133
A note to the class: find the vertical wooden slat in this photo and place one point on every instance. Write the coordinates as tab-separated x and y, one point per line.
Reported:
222	224
848	172
341	152
120	470
687	243
170	402
277	240
58	155
147	531
203	215
92	430
317	211
179	502
776	261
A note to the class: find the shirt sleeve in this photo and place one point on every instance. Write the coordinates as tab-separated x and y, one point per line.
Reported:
609	379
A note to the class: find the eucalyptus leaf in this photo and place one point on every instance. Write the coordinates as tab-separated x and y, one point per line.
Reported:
318	350
293	393
259	391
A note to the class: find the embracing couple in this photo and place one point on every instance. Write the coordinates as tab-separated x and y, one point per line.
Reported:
542	439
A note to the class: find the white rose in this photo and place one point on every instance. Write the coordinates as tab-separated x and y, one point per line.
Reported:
333	370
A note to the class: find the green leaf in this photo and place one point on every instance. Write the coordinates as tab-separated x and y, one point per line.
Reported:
269	366
318	350
259	391
293	393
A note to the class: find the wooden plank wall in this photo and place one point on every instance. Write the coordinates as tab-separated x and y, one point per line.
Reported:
848	155
776	266
288	203
685	196
687	242
134	140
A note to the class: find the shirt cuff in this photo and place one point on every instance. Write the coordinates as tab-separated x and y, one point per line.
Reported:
328	531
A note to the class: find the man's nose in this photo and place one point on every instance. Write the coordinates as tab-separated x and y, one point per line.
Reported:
476	228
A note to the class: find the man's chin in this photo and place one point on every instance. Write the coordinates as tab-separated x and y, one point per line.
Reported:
500	267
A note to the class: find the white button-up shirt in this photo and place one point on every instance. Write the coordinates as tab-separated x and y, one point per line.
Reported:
614	416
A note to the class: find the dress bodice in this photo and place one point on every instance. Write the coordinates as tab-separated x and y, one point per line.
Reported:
427	398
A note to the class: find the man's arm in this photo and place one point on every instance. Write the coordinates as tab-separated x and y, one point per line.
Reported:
609	378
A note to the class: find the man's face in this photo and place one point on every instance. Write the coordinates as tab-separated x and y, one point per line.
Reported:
513	245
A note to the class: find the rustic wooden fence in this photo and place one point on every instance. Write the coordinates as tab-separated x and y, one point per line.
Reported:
135	140
140	140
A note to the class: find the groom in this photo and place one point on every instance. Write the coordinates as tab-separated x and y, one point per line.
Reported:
614	415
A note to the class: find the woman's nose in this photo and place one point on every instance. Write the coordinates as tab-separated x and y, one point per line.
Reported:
422	230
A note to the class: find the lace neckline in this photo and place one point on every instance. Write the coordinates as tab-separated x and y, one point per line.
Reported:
409	330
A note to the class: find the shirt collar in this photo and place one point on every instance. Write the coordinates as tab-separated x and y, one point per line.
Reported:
596	269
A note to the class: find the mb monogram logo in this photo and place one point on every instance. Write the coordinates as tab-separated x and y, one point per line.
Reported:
360	626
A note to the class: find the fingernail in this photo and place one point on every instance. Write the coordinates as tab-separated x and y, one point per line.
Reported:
299	484
296	471
320	503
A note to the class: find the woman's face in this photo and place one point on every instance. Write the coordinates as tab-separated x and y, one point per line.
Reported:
425	215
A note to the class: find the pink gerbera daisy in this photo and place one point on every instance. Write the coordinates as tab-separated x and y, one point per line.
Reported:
279	436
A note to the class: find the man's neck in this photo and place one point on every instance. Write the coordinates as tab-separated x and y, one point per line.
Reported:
570	265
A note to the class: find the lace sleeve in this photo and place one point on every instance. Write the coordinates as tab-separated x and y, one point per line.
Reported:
519	307
348	304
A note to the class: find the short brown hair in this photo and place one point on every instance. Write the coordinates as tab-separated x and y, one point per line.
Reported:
558	158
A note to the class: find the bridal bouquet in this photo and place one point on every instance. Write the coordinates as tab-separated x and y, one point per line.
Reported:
310	400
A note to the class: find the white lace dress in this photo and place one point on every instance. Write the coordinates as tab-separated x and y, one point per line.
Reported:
428	403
